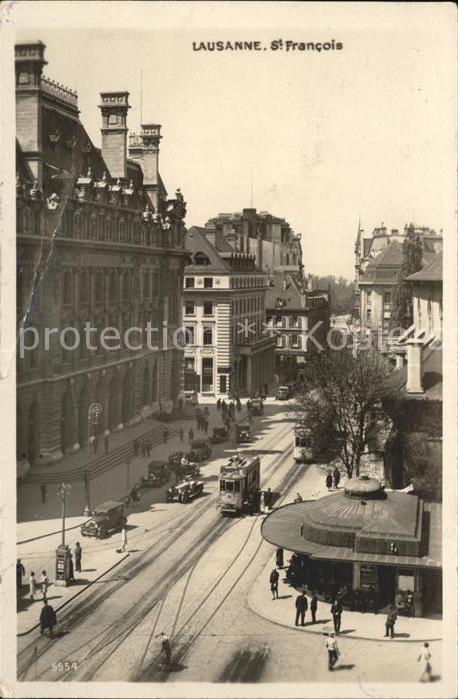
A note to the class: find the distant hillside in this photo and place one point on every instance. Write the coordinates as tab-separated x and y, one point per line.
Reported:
342	292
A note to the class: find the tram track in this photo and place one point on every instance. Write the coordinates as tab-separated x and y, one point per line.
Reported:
131	617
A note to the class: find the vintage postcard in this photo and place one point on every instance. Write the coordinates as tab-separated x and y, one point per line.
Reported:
228	349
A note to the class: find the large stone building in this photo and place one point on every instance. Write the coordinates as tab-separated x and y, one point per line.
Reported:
299	318
227	347
378	262
269	238
98	242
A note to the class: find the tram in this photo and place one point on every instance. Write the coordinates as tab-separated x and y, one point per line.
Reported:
302	450
239	482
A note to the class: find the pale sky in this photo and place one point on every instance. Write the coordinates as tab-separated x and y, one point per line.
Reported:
326	137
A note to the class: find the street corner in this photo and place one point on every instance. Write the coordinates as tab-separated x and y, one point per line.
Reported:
355	625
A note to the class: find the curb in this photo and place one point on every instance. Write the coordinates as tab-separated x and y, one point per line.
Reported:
36	626
341	636
43	536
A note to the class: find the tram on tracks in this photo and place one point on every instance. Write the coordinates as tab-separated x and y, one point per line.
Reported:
303	444
239	484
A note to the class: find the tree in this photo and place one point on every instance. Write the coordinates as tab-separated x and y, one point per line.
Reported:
342	293
412	261
341	395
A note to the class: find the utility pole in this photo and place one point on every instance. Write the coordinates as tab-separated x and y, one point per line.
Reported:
63	490
95	409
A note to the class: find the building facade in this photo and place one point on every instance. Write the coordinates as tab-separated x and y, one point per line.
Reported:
299	319
269	238
99	245
227	349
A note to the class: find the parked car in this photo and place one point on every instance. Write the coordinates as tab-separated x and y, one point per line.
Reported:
284	392
200	450
257	407
108	517
243	433
220	434
158	474
185	491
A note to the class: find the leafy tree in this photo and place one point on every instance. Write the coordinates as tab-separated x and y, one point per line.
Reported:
412	261
342	293
340	397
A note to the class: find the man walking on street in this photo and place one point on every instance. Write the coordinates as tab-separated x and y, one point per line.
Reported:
78	553
48	618
165	434
20	571
274	583
301	608
425	659
333	650
190	435
123	538
43	491
44	585
392	615
313	607
329	480
336	476
336	611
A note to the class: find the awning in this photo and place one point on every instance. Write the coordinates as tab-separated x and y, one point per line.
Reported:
283	528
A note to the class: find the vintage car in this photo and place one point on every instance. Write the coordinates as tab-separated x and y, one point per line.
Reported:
158	474
108	517
220	434
243	433
185	491
284	392
257	406
200	450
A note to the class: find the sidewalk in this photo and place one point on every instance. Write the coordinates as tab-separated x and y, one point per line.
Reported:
355	625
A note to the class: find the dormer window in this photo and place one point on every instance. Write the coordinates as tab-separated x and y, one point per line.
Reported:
201	259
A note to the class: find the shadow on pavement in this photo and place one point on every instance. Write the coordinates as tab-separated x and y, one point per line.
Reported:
348	666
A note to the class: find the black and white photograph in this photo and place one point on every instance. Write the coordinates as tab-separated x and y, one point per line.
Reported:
229	339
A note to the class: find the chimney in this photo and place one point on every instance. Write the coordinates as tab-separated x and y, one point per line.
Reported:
414	378
114	106
151	136
29	62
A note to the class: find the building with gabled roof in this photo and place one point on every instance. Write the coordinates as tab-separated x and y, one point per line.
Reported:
227	350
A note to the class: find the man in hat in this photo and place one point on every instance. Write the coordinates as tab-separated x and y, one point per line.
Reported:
48	618
333	650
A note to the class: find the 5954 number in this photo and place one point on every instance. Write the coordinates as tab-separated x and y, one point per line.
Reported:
65	666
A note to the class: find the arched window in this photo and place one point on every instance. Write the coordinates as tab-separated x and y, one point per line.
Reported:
126	286
67	288
99	287
84	286
113	286
94	227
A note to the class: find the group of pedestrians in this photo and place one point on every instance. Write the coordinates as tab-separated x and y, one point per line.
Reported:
144	446
202	422
333	479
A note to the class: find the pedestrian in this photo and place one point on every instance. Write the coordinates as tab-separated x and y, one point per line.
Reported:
298	498
181	434
239	405
135	447
279	557
274	583
223	406
32	585
329	480
218	404
166	647
20	571
106	444
410	603
333	650
48	618
78	554
313	607
43	491
44	585
268	499
425	659
248	407
336	611
392	615
206	411
190	434
165	434
70	566
301	608
336	476
123	538
266	390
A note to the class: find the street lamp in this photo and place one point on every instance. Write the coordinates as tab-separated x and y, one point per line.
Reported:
63	490
95	409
